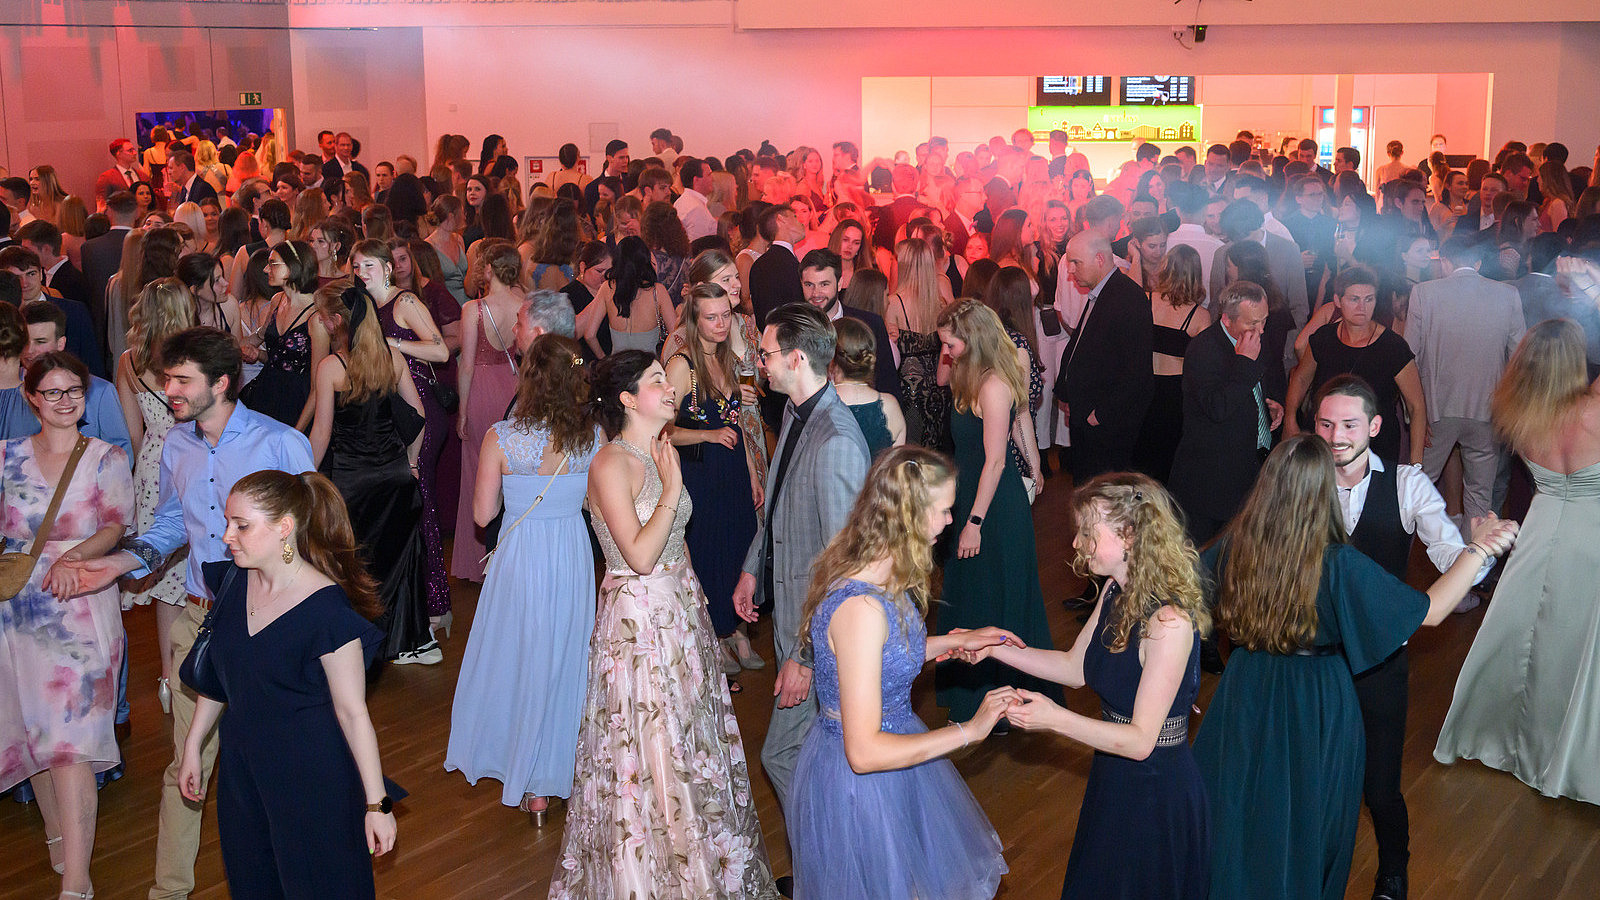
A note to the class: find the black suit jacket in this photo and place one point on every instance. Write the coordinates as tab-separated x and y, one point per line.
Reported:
332	169
1217	460
774	281
1105	369
893	216
102	257
70	283
884	376
200	190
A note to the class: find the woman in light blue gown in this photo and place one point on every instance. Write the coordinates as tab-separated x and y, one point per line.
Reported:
520	695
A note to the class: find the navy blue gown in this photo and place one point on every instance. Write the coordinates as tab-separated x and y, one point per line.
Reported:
1154	807
291	810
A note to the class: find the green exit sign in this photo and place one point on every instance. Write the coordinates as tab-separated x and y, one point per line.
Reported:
251	98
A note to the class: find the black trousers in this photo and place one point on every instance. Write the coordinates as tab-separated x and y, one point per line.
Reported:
1383	692
1096	450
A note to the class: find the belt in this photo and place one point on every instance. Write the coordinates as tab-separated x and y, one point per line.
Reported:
1174	731
202	602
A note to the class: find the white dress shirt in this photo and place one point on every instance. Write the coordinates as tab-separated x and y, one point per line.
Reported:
695	214
1271	225
1204	244
1422	513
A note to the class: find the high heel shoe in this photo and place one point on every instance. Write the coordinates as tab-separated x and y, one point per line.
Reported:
444	623
50	844
743	652
539	816
164	695
79	895
725	658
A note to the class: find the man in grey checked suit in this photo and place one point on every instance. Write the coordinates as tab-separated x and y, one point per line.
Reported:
817	471
1463	328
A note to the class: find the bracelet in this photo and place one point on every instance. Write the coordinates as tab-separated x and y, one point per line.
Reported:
964	739
1480	548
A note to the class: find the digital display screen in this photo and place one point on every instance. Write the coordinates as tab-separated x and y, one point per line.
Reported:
1158	90
1074	90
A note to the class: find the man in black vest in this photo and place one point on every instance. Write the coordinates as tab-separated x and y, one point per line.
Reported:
1384	504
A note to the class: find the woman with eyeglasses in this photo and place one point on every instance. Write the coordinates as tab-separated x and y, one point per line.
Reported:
60	652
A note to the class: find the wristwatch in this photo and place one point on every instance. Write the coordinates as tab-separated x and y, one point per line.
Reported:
382	806
976	520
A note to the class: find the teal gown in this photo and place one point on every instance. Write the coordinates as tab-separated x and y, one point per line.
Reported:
999	586
1281	749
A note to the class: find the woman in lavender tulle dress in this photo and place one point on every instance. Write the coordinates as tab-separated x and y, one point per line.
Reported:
875	812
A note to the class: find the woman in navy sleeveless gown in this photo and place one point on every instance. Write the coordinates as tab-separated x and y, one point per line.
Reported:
875	812
1140	653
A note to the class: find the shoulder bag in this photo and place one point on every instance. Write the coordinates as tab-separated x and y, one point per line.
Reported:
199	669
17	568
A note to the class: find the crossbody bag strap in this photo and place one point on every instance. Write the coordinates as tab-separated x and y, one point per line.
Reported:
531	507
55	499
504	347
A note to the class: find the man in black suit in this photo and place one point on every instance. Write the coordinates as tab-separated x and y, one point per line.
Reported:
1106	381
819	281
185	186
775	277
102	256
24	263
1227	420
60	275
342	163
894	216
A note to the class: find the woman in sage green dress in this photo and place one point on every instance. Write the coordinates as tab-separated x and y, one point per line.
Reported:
1525	701
1281	748
991	575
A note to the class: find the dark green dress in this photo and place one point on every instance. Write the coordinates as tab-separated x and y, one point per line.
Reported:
999	586
1281	748
874	426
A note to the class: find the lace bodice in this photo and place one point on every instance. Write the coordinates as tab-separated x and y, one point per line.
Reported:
525	449
644	506
904	652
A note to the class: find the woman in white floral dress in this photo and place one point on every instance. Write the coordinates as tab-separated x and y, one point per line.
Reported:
661	803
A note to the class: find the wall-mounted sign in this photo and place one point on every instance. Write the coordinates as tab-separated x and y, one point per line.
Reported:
1109	124
1157	90
250	98
1074	90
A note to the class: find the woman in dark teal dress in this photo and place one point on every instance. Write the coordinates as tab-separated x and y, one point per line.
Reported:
1141	654
1281	748
301	803
855	361
991	576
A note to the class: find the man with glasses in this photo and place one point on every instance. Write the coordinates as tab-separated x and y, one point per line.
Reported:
961	223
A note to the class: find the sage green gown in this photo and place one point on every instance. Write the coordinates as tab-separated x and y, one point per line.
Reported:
1528	697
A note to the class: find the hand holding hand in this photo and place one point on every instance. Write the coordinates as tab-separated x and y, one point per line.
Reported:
95	574
1035	712
997	704
1494	534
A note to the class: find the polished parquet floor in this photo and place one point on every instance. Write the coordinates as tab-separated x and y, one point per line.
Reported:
1476	832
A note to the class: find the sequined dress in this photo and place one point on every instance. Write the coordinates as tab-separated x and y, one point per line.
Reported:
661	804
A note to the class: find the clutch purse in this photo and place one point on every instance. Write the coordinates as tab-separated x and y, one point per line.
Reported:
199	669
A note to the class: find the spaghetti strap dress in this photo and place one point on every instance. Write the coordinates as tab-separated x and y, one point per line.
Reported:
494	385
282	388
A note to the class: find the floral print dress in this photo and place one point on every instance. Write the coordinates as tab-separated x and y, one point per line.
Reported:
661	804
59	658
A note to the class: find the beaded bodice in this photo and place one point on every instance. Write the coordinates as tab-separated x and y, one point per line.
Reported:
644	506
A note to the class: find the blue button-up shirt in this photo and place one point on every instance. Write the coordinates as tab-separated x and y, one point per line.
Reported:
196	479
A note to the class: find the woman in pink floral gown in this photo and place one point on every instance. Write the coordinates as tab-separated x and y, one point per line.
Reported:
59	653
661	802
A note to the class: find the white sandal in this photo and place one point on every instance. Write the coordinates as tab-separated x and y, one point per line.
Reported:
50	844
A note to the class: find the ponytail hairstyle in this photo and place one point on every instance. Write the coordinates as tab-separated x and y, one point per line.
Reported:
888	520
322	533
1163	567
612	377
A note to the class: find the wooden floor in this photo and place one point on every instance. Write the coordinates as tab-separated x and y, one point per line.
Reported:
1476	832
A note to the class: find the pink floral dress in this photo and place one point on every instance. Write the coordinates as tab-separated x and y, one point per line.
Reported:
59	658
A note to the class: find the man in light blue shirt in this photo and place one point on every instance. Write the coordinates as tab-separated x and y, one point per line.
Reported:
102	413
216	442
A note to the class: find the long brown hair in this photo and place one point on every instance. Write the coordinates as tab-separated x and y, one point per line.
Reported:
163	310
322	533
722	358
1163	568
1542	387
887	520
1267	592
553	393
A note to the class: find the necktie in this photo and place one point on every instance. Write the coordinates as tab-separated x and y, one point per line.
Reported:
1263	432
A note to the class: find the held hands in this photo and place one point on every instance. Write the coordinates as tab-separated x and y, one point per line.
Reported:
794	683
1035	712
381	830
92	574
1494	534
975	646
63	578
998	703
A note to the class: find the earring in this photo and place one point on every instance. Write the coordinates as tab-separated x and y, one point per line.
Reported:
288	553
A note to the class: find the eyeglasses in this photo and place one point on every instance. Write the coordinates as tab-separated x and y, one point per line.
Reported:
763	354
53	395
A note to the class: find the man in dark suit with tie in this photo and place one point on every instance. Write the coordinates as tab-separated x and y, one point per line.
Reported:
819	281
343	163
183	184
775	277
1227	420
124	171
1106	380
